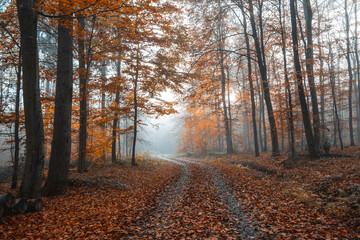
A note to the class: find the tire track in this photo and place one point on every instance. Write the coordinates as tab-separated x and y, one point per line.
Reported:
244	226
172	196
199	205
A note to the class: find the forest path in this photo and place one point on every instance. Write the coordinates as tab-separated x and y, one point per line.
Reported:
198	205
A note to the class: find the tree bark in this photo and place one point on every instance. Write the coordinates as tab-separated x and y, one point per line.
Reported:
290	114
305	114
16	130
357	71
333	87
351	129
321	78
83	97
133	160
229	144
103	106
310	72
264	79
34	161
116	115
253	106
61	143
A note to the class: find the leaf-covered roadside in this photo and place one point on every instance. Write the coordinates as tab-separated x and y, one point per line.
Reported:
106	204
313	200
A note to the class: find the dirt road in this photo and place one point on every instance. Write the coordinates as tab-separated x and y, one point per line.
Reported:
199	205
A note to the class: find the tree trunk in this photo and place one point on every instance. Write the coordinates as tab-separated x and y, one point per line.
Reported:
83	97
228	99
290	115
333	87
133	160
119	143
261	115
357	71
103	107
126	138
229	144
305	114
351	130
321	78
310	72
61	143
253	106
260	53
116	115
34	162
16	130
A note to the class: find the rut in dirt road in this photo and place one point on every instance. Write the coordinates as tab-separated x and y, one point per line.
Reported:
198	205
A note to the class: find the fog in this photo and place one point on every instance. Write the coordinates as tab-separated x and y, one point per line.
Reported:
160	135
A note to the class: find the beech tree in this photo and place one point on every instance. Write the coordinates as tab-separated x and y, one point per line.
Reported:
34	161
304	110
61	142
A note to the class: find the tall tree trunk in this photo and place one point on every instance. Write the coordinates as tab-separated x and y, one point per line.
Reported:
34	161
321	78
17	125
119	142
290	114
261	59
333	87
263	144
83	97
133	160
253	106
306	118
103	106
229	144
228	98
357	71
61	143
126	138
310	72
116	115
351	130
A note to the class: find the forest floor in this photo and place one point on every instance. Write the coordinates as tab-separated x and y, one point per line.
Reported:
213	197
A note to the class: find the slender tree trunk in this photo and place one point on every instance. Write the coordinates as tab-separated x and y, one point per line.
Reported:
264	79
103	106
17	125
306	118
357	71
310	72
262	112
333	86
126	138
228	98
321	78
253	106
119	142
351	129
261	115
229	144
83	97
116	115
61	143
34	162
133	160
290	114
